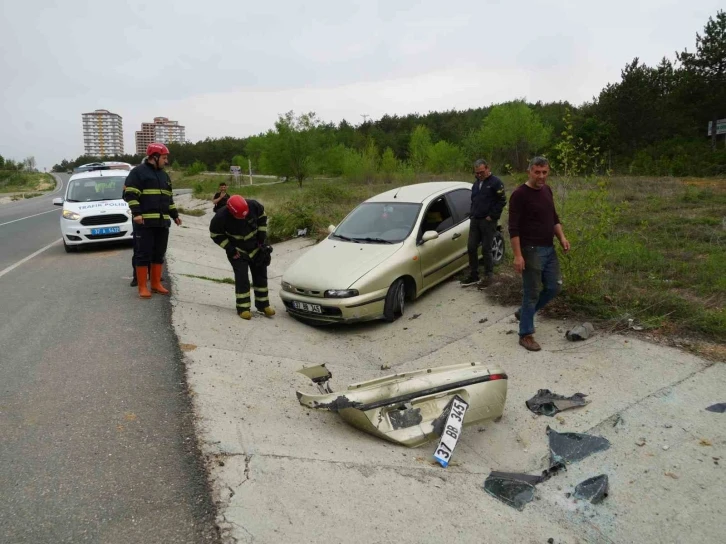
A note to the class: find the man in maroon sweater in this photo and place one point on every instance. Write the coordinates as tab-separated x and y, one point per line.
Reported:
533	222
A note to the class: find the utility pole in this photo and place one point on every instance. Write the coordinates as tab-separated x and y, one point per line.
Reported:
249	164
365	117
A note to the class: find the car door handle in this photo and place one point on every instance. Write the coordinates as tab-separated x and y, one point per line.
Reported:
455	236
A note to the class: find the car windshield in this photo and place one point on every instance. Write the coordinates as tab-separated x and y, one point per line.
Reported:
93	189
379	223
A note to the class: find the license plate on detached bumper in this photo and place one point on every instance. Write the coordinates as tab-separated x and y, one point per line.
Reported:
452	431
105	230
305	307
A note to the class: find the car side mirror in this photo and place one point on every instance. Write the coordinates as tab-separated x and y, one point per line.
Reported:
429	235
57	202
331	229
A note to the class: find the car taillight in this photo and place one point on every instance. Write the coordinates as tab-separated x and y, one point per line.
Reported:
497	377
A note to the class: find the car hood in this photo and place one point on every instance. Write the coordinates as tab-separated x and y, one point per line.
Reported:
94	208
336	264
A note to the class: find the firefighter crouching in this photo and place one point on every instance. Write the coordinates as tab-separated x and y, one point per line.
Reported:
148	194
240	228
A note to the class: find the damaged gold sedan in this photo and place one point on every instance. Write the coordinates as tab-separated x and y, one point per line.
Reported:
411	408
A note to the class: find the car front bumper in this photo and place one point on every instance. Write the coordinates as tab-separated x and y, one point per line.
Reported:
364	307
76	234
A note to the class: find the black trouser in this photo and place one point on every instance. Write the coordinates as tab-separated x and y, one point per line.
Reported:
481	233
135	238
242	284
151	245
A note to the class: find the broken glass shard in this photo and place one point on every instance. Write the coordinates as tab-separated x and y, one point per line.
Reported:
718	408
594	489
571	447
547	403
512	489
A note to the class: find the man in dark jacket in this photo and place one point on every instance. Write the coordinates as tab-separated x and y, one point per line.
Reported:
220	198
487	202
148	194
240	228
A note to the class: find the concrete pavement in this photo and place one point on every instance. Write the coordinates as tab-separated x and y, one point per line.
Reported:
284	473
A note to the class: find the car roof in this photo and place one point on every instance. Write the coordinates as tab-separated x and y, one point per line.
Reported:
99	174
419	192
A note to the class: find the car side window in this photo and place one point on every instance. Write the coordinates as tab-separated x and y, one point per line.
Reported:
461	203
437	217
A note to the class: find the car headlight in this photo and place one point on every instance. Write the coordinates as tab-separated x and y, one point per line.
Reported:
286	287
73	216
341	293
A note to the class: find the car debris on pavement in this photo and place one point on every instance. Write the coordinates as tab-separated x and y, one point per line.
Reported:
517	489
593	489
571	447
547	403
717	408
404	408
580	332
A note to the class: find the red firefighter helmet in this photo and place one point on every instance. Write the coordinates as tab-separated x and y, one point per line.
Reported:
161	149
238	207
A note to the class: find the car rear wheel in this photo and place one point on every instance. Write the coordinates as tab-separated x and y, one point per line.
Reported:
69	249
395	301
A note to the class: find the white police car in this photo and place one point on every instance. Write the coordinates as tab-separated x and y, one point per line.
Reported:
93	208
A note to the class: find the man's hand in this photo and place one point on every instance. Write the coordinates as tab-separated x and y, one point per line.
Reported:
178	221
138	220
565	244
519	264
489	217
236	255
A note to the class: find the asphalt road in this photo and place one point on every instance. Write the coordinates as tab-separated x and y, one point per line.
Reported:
96	436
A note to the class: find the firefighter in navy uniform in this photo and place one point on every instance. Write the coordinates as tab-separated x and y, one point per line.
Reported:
240	228
148	194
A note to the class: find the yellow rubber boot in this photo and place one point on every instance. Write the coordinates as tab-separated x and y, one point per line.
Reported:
246	315
269	311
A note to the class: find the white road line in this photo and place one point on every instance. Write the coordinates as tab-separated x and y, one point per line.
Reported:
14	266
28	217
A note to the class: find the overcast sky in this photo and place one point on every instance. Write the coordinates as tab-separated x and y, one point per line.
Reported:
228	68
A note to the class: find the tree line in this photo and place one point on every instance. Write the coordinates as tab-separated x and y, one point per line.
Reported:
651	122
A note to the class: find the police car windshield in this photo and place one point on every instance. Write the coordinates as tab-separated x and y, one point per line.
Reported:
95	189
378	223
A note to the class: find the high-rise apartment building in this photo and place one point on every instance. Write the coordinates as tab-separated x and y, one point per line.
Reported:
103	134
161	130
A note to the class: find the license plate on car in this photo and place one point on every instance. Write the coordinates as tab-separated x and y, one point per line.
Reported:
106	230
452	431
305	307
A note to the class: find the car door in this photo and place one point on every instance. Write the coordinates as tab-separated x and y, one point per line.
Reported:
460	204
438	257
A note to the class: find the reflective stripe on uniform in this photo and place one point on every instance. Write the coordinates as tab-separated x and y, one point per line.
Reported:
262	229
260	289
151	192
243	237
224	243
132	190
133	202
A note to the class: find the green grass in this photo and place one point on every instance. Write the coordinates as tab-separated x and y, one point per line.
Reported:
12	181
661	258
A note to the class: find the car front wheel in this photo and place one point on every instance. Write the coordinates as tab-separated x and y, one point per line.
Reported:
497	248
395	301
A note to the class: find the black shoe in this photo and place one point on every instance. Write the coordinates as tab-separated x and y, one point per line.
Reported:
471	280
134	282
486	281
